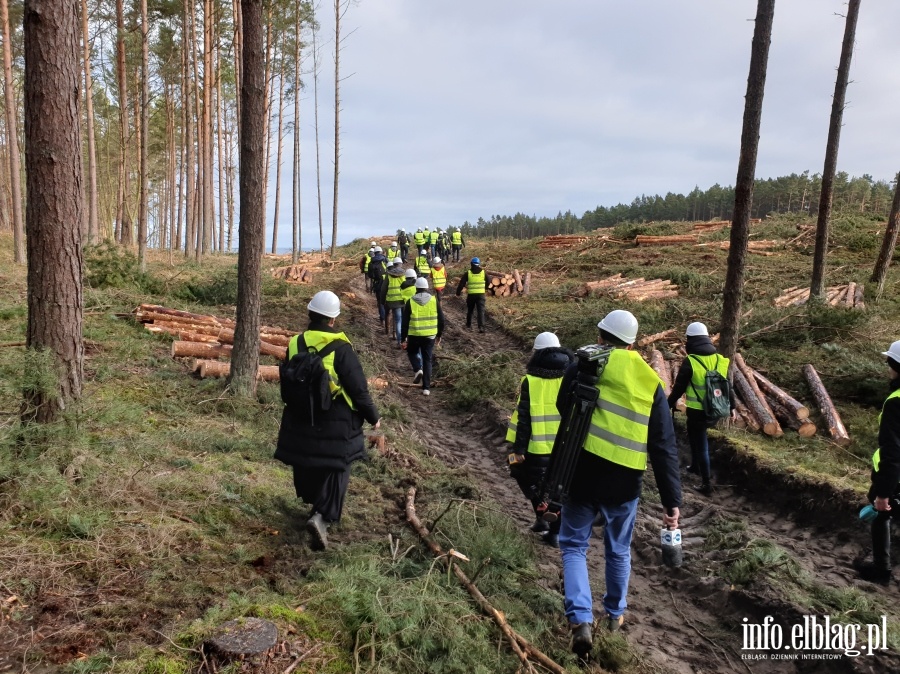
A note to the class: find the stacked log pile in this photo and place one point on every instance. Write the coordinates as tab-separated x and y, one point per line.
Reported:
500	284
293	273
764	407
214	335
762	247
636	289
850	295
717	225
562	241
669	240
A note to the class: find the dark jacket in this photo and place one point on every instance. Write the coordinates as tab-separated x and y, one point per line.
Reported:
464	279
550	363
421	297
394	270
336	438
699	345
885	481
598	480
377	266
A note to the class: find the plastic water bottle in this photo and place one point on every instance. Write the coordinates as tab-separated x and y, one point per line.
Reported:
670	542
868	513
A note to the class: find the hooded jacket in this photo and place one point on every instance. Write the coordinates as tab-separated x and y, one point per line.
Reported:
464	279
421	298
549	363
395	271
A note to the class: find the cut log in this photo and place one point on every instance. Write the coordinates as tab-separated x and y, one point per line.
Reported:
214	368
652	295
764	417
659	336
797	408
197	318
836	428
848	299
189	349
185	335
661	367
526	284
750	420
674	367
788	419
518	280
646	240
858	297
839	296
751	381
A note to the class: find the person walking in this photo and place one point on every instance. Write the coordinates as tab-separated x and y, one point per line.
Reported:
438	277
403	241
392	297
320	446
419	239
423	267
474	282
884	493
534	423
392	253
629	424
433	241
364	267
457	243
691	379
423	325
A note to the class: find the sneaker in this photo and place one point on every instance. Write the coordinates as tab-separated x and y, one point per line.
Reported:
418	377
613	623
317	529
582	641
704	488
426	392
540	526
550	539
481	330
874	574
692	469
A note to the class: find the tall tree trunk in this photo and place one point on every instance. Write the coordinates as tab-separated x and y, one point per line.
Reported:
823	224
237	51
316	123
280	140
888	242
229	182
338	13
245	354
187	126
209	216
743	188
55	205
12	137
173	167
93	229
220	116
267	122
295	182
143	214
123	217
200	200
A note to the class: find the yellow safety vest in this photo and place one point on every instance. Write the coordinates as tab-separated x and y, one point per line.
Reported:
394	292
876	457
696	391
434	238
315	340
419	238
475	283
619	424
392	253
457	238
368	260
439	276
408	292
422	265
545	418
423	319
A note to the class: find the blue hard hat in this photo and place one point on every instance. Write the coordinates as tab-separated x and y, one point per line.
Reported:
475	260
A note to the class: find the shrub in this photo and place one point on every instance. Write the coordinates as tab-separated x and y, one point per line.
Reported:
110	266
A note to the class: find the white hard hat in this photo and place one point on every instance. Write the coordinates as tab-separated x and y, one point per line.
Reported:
422	252
403	231
396	261
422	283
894	352
410	273
545	340
621	324
378	249
326	303
436	260
393	244
696	329
371	250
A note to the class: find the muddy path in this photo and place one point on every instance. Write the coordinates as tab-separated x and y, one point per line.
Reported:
683	620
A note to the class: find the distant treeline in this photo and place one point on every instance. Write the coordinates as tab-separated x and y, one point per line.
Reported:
789	194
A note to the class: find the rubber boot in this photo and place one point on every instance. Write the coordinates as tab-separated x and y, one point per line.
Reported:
582	640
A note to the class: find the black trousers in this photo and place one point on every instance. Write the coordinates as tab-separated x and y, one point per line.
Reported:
420	351
530	476
324	489
474	302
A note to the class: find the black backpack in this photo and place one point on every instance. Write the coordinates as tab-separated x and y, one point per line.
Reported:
717	401
304	382
377	269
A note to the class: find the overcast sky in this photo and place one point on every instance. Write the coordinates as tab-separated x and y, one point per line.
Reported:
458	110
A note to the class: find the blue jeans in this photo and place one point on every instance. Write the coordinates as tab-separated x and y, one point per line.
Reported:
697	438
398	321
574	539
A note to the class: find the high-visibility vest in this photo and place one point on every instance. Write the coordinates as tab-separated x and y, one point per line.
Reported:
434	238
426	236
439	276
876	457
545	418
408	292
419	238
368	260
696	391
475	284
315	340
394	293
422	265
423	319
619	424
392	253
457	238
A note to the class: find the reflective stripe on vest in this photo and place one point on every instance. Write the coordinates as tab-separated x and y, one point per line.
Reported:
545	417
394	292
876	457
513	426
619	423
457	238
422	265
696	392
316	341
423	320
475	283
439	276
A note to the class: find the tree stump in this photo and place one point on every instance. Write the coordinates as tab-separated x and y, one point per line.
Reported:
244	636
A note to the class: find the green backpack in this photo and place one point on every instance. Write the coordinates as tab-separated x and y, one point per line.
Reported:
717	401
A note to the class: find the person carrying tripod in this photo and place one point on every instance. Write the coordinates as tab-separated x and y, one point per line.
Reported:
630	423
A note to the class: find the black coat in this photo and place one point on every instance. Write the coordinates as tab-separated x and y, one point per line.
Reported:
549	363
335	439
